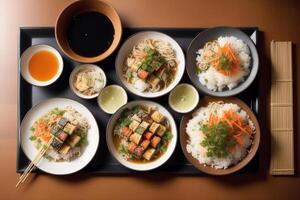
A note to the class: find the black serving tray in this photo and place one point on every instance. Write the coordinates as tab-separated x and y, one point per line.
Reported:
103	162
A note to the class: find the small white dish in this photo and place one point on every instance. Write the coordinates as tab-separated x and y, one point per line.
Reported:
59	168
141	166
127	47
81	68
24	64
111	98
183	98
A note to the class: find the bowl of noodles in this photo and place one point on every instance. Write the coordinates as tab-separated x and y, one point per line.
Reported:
150	64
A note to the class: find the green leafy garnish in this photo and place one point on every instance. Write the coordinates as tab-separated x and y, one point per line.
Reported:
167	136
217	139
122	149
152	61
135	109
225	62
32	138
32	129
57	111
129	75
83	141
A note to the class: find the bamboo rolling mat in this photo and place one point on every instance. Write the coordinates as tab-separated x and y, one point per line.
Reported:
282	131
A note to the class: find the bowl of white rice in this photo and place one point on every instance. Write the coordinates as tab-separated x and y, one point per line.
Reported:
220	136
222	61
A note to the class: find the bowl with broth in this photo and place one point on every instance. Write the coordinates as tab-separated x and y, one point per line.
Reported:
88	31
41	65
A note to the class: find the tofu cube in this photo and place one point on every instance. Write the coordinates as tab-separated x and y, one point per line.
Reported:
161	130
62	122
138	152
134	124
149	154
73	140
69	128
144	124
125	132
153	81
145	144
65	149
136	138
136	118
131	147
56	144
157	116
146	108
62	136
155	141
55	130
154	126
140	130
148	135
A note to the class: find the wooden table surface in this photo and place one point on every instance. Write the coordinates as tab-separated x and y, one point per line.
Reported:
278	20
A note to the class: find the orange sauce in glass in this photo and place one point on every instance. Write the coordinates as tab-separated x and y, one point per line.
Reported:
43	65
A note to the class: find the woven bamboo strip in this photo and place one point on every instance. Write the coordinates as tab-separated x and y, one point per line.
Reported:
282	132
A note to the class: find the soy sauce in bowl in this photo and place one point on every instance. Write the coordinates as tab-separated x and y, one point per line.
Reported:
90	33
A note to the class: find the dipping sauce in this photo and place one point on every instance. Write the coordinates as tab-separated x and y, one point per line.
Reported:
184	98
111	98
90	34
43	65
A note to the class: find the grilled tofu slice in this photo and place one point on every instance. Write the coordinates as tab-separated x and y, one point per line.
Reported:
131	147
136	118
65	149
157	116
155	141
144	124
161	130
136	138
62	122
125	132
149	154
55	130
148	135
154	126
73	140
69	128
62	136
134	124
56	144
153	81
145	144
138	152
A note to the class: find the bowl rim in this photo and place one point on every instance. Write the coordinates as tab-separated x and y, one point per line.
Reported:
82	66
138	167
165	91
113	85
241	86
36	48
192	108
206	168
94	59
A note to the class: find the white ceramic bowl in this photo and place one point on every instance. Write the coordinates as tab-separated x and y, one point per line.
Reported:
127	48
24	64
141	166
83	67
59	168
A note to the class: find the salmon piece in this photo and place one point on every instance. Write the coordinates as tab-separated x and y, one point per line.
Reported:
145	144
131	147
142	74
155	141
138	152
148	135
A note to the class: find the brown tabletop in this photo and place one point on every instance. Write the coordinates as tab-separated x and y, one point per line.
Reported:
277	20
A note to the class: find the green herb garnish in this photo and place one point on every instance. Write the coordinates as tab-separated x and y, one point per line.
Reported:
225	62
83	141
32	138
152	61
217	139
167	136
32	129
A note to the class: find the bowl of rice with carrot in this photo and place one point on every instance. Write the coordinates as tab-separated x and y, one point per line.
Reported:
221	136
222	61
